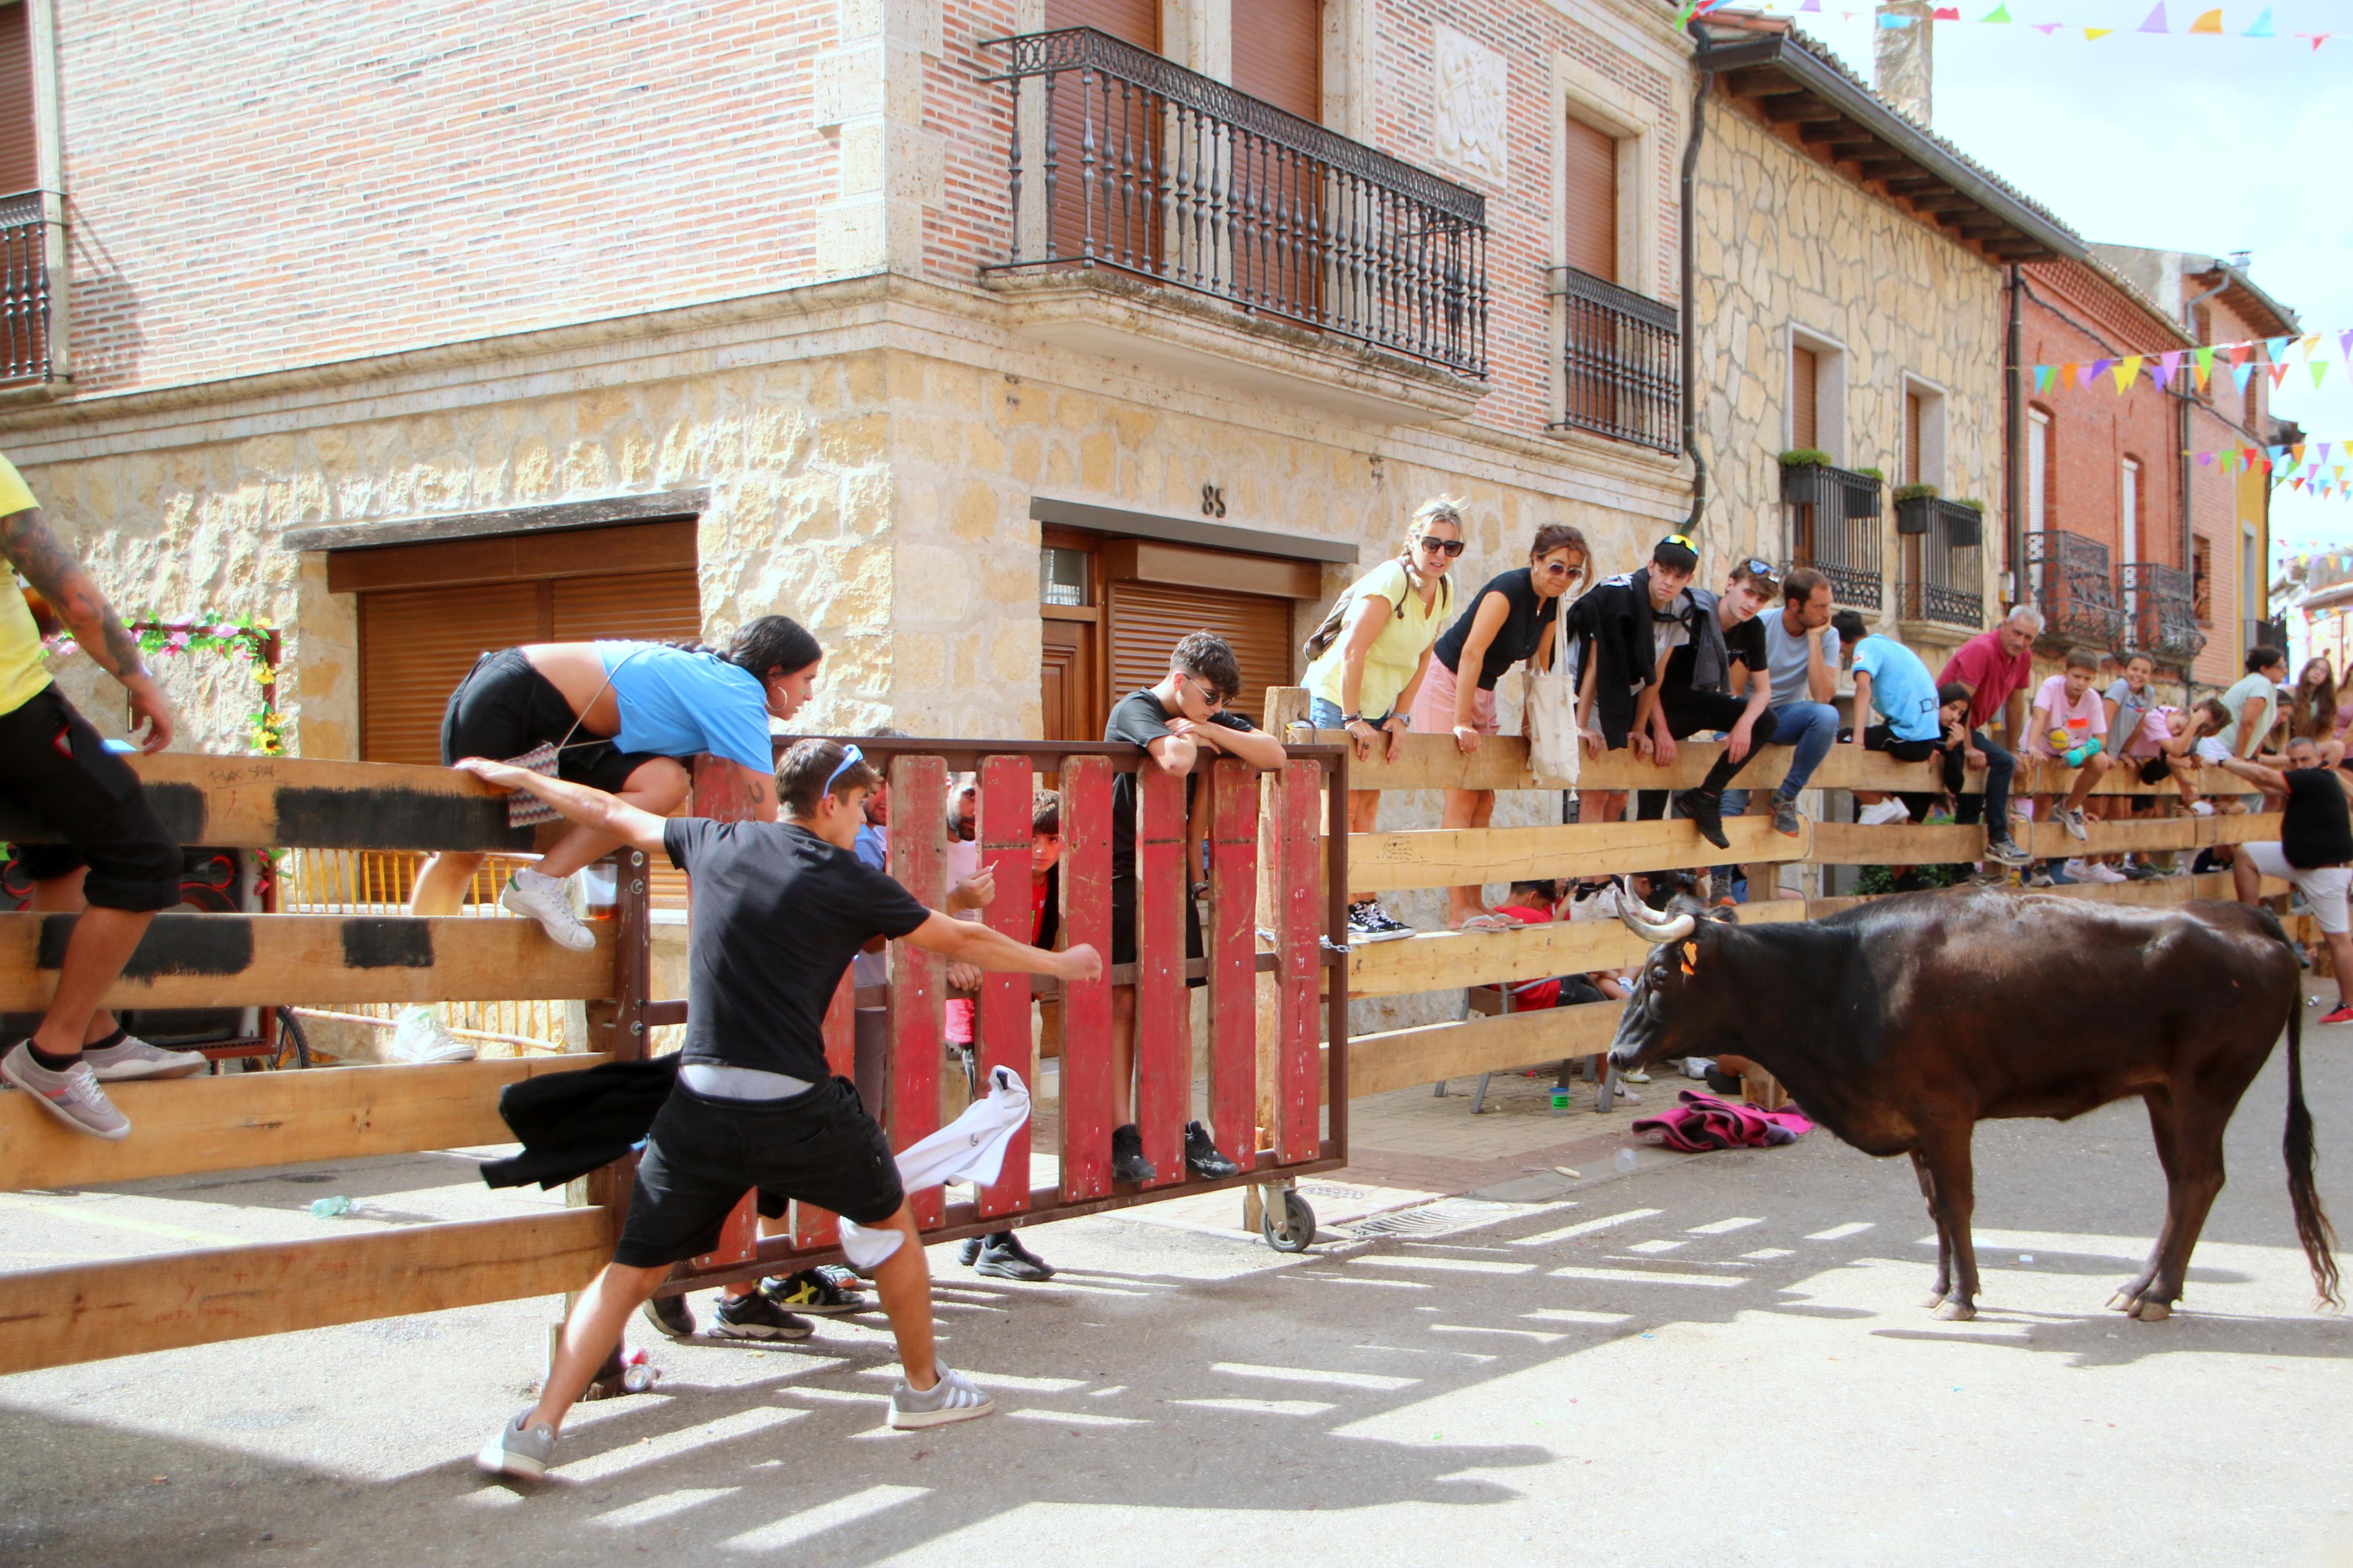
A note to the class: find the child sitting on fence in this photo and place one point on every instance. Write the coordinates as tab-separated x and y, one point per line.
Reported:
2070	725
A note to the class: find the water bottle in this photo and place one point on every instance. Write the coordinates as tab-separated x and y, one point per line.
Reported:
1625	1162
330	1208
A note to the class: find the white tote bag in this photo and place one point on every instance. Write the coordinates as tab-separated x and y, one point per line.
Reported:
1548	718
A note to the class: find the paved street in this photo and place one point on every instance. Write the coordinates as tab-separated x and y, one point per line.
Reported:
1732	1344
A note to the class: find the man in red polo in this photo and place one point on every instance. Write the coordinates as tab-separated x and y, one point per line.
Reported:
1996	667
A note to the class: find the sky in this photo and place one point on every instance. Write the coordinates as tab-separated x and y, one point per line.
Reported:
2178	142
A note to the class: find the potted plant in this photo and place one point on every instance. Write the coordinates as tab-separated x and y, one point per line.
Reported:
1914	504
1802	482
1965	518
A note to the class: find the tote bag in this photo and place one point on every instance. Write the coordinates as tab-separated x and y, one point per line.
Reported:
1548	717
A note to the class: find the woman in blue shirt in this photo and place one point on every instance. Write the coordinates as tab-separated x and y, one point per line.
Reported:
625	718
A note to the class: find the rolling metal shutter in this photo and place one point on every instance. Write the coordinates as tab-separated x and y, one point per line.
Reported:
1118	217
1148	619
20	163
1279	54
1589	201
416	646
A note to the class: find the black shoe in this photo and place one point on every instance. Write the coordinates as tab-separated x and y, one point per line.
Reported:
1704	810
1201	1155
754	1317
1723	1083
1785	820
1127	1161
968	1253
1002	1257
824	1292
671	1315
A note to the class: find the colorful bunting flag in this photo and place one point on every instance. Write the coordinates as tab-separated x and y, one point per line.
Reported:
2156	23
2262	27
2093	34
2204	361
2042	375
2127	371
2082	374
2319	369
2001	13
2277	349
1946	13
2169	366
2212	22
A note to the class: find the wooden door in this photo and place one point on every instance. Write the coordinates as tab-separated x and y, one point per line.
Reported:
1107	138
1068	676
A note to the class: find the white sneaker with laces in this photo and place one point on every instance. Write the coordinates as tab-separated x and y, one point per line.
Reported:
133	1058
2202	808
420	1038
73	1096
952	1398
1884	813
543	899
2072	819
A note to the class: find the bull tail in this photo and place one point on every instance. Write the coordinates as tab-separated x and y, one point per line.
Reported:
2312	1227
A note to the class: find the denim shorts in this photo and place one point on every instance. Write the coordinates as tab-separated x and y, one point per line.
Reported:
1326	715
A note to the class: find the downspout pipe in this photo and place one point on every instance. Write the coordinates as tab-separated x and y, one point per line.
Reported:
2014	436
1691	320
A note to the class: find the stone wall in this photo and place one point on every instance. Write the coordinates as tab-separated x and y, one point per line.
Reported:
1785	243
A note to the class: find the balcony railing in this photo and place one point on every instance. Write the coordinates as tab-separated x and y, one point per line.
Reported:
2162	610
1944	577
1834	528
1132	163
23	287
1623	358
2073	587
2264	633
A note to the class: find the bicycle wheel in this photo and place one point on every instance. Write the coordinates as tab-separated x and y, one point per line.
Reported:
293	1045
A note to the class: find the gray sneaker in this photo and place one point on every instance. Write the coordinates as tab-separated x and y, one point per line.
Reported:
2005	852
73	1096
1785	820
2072	819
519	1451
131	1057
952	1398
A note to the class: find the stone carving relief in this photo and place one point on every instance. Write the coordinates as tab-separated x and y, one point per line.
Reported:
1472	90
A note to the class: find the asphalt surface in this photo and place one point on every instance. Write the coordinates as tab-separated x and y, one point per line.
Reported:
1722	1358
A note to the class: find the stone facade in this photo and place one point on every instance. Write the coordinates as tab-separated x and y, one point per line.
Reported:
1787	248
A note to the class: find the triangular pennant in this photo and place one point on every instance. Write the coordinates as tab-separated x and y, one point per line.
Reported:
2310	341
2276	348
2296	484
2100	367
2205	459
2295	454
2227	461
2319	369
2081	374
1889	22
2278	368
2212	22
2042	373
2127	371
2156	23
2239	354
1947	13
2168	366
2047	28
2321	453
2243	373
2262	27
2001	13
2345	346
1811	5
2202	366
2093	34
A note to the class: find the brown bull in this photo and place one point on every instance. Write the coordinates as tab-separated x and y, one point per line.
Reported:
1901	1024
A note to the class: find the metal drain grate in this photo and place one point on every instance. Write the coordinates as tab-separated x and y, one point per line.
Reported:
1442	1218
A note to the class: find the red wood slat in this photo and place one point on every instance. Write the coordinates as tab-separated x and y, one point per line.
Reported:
1164	1034
1299	1133
919	797
813	1227
1232	942
720	795
1086	1099
1004	1024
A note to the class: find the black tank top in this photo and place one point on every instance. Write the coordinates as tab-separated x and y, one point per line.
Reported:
1515	640
2315	829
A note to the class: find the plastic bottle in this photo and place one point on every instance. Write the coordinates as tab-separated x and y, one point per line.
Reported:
1625	1162
330	1208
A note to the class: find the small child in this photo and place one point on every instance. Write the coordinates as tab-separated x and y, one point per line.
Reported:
2070	726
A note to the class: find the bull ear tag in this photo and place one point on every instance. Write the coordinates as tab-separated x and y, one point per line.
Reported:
1691	957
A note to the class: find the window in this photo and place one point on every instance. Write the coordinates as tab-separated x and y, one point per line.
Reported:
1805	397
1097	212
24	236
1589	200
2129	537
2255	403
1910	438
2038	470
2201	580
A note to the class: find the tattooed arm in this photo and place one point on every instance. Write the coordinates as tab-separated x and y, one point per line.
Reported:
26	542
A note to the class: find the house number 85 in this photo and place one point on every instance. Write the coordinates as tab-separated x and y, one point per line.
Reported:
1213	501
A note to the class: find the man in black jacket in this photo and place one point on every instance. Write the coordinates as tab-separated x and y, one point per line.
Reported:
1655	657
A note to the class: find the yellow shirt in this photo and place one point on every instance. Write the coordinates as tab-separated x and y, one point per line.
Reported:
22	678
1390	663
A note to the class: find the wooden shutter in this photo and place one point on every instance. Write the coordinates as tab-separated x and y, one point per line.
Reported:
1279	54
1148	619
1589	201
416	646
1804	423
1912	439
1119	218
20	163
643	606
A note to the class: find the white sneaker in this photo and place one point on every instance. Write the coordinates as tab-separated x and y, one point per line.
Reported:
2202	808
2108	873
420	1038
543	899
1885	814
131	1057
2072	819
73	1096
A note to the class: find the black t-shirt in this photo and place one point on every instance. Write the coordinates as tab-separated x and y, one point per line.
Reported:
2315	829
1140	720
1515	640
1744	643
777	913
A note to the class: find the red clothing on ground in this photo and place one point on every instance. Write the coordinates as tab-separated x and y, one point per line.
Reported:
1990	674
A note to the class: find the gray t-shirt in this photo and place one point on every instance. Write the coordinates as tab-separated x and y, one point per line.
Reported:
1785	656
2130	708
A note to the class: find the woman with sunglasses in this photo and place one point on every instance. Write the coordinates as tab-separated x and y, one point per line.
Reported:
1365	679
1514	618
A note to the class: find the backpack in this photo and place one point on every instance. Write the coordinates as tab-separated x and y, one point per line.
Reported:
1319	641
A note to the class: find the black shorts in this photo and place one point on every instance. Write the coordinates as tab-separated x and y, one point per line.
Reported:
1880	738
504	707
704	1153
1123	924
53	765
2156	770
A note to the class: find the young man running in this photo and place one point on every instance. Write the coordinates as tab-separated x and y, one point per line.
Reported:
778	909
2314	851
54	764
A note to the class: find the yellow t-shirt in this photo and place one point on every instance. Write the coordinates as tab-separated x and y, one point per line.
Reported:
1390	662
22	678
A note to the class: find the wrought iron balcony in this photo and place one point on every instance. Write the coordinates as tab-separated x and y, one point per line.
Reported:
25	287
2073	588
1623	357
1834	528
1122	160
1944	579
2264	633
2161	611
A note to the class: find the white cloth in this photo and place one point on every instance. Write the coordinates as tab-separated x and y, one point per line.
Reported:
969	1149
2325	887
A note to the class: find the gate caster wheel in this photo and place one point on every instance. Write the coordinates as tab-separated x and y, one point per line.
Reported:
1296	1230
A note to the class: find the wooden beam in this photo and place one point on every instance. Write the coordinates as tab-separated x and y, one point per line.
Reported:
1844	844
245	1121
83	1312
228	961
1401	1058
283	802
1799	111
1446	858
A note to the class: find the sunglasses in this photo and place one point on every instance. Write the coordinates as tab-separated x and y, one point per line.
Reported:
1212	701
1562	569
1451	547
850	758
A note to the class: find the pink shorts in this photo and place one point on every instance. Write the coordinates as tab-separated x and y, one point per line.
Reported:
1433	705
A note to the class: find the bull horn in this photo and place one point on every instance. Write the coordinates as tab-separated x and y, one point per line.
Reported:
1654	931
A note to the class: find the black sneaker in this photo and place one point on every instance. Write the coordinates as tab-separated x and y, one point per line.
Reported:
1704	809
1367	921
671	1315
1127	1161
1002	1257
1201	1155
754	1317
823	1291
968	1251
1785	820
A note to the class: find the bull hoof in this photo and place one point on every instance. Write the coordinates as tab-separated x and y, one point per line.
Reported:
2149	1312
1957	1312
1935	1300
